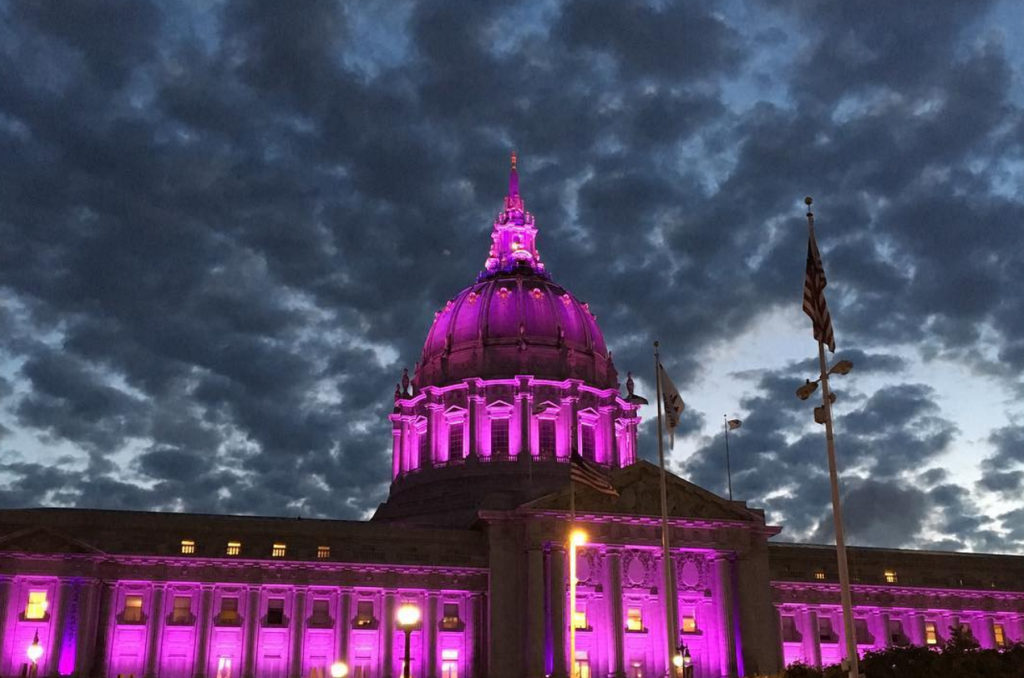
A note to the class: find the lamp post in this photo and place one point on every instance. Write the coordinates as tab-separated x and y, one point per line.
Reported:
34	652
408	617
576	539
683	662
339	669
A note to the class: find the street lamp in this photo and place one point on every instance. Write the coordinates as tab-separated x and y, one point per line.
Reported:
683	662
577	538
34	652
339	670
408	617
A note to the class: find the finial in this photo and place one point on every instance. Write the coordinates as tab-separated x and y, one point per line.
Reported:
810	214
513	159
629	384
405	381
513	179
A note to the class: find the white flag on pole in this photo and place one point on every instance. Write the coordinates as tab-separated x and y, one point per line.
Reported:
673	402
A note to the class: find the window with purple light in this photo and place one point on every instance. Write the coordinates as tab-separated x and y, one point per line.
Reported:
587	445
546	439
455	440
499	438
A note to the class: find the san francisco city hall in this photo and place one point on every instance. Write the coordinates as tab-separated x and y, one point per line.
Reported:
515	375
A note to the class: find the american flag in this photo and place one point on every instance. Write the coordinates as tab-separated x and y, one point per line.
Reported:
814	293
581	471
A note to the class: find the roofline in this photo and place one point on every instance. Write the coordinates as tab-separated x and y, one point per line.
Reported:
883	549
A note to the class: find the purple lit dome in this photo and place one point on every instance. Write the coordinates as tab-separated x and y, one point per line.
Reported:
515	320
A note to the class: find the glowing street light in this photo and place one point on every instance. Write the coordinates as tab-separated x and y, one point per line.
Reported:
408	617
34	652
339	670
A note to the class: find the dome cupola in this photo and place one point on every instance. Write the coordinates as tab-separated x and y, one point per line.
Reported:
514	378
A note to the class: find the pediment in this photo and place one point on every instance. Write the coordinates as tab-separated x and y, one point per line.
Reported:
44	540
639	487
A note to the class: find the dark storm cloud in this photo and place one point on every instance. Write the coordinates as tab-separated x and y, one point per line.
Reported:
884	441
226	228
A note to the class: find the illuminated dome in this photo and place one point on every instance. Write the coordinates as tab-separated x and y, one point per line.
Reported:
514	320
514	379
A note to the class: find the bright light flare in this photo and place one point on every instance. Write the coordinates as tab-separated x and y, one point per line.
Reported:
578	538
408	615
339	670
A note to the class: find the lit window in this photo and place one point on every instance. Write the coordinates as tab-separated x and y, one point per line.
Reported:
636	668
891	578
234	548
587	442
450	618
546	438
931	636
223	667
278	551
228	611
499	438
364	613
634	619
1000	635
449	663
579	619
188	547
275	612
132	609
323	552
689	622
455	438
321	614
182	611
820	575
37	604
362	665
582	664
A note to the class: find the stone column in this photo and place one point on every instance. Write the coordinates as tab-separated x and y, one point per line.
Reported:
156	626
726	625
6	584
396	446
984	630
474	424
883	636
388	636
252	624
476	633
811	637
203	631
616	618
535	586
298	631
344	624
917	633
429	653
556	587
103	623
87	627
60	619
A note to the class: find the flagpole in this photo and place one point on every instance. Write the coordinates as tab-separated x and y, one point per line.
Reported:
670	630
728	467
837	510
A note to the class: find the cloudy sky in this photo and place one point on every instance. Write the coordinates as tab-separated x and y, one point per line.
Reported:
225	228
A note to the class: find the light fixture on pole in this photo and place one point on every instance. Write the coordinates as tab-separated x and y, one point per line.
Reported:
339	669
576	539
34	652
408	618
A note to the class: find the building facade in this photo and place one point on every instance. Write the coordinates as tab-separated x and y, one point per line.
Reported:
514	378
